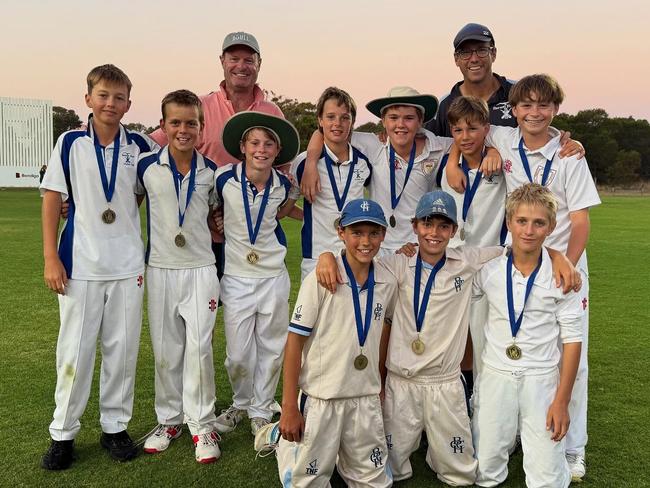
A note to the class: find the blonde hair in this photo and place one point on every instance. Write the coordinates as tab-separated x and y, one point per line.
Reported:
110	74
532	194
469	109
544	87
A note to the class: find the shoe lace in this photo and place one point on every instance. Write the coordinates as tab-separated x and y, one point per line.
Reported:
156	430
230	412
210	438
259	422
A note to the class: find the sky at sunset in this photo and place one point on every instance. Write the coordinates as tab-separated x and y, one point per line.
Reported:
596	49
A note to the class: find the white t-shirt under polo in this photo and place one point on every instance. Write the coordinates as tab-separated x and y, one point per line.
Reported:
421	180
569	178
328	320
485	222
90	249
444	331
271	243
318	234
156	180
548	315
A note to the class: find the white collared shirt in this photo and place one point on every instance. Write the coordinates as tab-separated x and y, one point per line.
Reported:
318	234
156	181
271	243
421	180
90	249
548	315
569	178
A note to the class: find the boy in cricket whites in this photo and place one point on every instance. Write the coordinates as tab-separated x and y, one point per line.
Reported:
182	283
96	268
526	381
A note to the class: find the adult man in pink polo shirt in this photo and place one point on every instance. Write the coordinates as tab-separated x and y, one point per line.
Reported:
238	92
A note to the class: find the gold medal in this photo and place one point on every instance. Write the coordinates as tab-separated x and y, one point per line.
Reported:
179	240
392	221
361	362
418	346
513	352
462	233
252	257
108	216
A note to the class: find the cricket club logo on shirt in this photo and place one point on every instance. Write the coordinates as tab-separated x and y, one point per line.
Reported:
428	165
129	160
389	441
458	283
505	109
539	175
507	166
312	468
297	314
378	310
357	174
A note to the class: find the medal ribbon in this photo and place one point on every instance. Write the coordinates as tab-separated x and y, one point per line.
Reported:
394	198
340	199
252	233
524	161
516	324
178	181
420	308
109	187
470	191
362	327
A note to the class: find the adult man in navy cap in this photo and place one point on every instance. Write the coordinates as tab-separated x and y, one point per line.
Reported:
474	53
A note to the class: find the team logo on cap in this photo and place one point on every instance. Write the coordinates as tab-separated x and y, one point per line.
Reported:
486	33
240	36
365	206
439	206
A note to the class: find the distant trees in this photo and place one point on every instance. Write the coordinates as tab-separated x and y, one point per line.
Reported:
137	126
63	119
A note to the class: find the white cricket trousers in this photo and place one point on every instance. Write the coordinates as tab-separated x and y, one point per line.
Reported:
112	312
576	438
348	428
256	322
182	308
505	402
435	404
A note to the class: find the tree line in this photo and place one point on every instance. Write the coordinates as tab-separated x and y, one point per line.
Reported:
618	148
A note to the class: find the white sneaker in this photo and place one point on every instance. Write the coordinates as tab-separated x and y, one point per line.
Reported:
577	467
206	447
229	418
267	438
162	437
257	423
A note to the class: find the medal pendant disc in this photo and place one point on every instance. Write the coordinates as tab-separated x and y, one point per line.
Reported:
513	352
392	221
360	362
252	257
179	240
417	346
108	216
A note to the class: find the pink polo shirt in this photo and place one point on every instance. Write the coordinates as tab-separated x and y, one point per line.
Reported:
217	110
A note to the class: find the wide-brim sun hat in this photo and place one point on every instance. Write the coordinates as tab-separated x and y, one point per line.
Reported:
242	122
405	95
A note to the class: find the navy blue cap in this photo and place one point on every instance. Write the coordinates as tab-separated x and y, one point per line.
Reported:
437	202
362	210
473	32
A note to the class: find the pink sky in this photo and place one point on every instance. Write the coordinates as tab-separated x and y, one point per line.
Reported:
594	48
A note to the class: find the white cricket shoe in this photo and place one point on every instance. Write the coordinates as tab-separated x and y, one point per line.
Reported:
229	418
161	438
577	467
206	447
257	423
267	438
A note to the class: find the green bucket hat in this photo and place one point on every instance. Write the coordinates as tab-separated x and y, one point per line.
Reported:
405	95
240	123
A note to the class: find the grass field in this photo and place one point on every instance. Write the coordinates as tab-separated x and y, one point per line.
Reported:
618	453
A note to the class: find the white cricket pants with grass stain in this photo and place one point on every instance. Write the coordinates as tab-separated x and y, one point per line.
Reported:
182	308
112	312
256	322
505	402
435	404
347	433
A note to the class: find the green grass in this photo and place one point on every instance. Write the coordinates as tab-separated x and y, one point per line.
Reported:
618	450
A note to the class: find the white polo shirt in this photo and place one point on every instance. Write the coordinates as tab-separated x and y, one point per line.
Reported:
569	178
271	243
156	181
421	180
444	330
485	223
548	315
90	249
328	320
318	234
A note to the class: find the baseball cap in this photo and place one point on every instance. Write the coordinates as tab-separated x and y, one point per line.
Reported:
437	202
473	32
240	39
362	210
